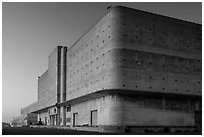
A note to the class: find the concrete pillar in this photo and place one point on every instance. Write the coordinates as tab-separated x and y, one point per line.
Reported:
57	118
62	112
63	115
63	74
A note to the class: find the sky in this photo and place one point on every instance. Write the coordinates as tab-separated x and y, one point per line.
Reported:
31	31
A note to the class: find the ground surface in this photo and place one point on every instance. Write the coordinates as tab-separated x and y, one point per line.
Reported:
42	131
53	131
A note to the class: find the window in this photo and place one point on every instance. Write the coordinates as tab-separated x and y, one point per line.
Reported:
55	110
68	109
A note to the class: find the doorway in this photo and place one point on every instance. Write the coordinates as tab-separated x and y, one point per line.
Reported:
94	118
75	119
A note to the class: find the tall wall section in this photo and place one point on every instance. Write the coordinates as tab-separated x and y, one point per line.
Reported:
89	66
43	89
131	49
47	83
50	87
156	53
159	56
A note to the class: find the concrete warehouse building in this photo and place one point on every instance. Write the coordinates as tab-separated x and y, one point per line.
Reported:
132	68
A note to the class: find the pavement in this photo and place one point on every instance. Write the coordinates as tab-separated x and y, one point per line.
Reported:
55	131
43	131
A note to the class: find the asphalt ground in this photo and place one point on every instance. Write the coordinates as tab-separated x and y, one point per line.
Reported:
54	131
43	131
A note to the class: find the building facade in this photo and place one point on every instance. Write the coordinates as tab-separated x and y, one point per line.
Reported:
132	68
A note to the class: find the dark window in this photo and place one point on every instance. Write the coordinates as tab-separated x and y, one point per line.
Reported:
68	109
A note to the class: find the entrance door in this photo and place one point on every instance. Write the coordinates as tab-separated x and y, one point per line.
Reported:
94	117
53	120
75	119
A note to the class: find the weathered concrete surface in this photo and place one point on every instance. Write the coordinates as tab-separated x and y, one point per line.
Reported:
158	111
127	51
147	61
138	30
50	88
124	50
156	73
89	61
108	111
137	51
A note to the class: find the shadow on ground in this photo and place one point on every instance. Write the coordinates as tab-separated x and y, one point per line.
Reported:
49	131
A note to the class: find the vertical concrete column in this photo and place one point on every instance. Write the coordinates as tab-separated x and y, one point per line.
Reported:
63	74
63	115
57	118
59	74
63	84
38	117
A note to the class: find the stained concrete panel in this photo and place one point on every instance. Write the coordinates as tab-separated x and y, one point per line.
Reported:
134	51
109	112
146	27
160	111
132	42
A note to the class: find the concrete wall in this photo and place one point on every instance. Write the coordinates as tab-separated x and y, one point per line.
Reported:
108	110
158	111
50	84
131	49
89	66
43	89
127	50
136	110
47	86
53	73
140	52
156	53
143	71
138	30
